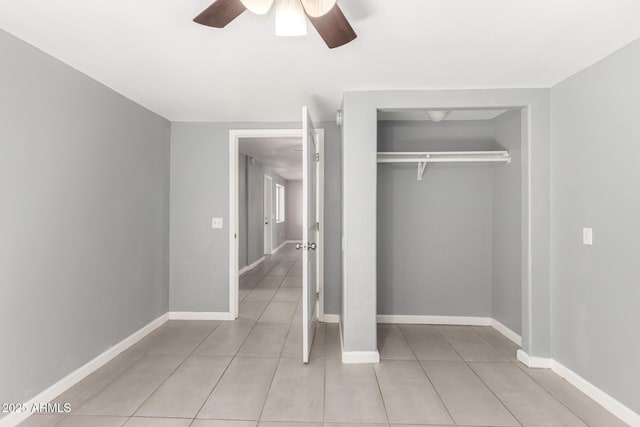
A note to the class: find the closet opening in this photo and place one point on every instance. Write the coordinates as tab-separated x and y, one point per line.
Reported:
449	219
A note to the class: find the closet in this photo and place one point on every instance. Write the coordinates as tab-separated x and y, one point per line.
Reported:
449	214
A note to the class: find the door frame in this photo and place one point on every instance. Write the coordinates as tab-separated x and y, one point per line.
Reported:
235	135
267	205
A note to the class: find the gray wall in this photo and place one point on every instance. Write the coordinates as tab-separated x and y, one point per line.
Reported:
255	210
243	212
435	235
595	176
84	219
359	290
293	210
507	225
200	190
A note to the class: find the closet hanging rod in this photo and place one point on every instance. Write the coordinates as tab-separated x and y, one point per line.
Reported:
426	157
444	156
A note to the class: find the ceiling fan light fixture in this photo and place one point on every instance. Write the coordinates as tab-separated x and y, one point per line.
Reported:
318	8
260	7
290	19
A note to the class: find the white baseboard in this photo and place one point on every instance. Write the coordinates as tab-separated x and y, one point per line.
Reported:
434	320
534	361
500	327
273	251
200	315
331	318
611	404
250	267
450	320
79	374
282	244
351	357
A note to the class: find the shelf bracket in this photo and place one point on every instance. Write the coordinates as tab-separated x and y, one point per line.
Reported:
422	166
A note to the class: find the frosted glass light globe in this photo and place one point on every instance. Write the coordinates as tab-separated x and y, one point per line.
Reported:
261	7
290	19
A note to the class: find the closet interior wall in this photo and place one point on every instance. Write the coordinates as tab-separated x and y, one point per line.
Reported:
449	245
507	225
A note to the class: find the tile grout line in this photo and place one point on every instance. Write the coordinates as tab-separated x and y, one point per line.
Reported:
233	358
108	383
516	363
144	354
275	371
561	402
493	392
222	375
384	404
269	301
174	371
493	346
324	383
466	362
487	385
444	405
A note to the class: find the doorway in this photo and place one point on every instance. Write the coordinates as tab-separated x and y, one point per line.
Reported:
264	136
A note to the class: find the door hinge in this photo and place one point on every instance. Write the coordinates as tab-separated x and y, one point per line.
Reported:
317	157
317	296
235	236
317	226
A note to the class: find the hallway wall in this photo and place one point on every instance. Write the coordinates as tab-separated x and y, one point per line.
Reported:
251	210
293	197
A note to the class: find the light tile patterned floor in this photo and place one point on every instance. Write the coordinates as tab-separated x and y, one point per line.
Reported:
249	373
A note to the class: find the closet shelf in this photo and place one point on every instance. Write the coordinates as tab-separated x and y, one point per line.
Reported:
424	157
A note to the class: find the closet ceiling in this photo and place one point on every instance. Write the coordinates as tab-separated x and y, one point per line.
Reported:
281	155
152	52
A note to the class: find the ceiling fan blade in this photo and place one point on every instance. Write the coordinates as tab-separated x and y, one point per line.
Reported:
334	28
220	13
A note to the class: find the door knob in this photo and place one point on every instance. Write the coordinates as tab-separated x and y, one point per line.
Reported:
307	246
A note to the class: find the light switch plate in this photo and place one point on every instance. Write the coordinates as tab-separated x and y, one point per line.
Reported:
216	222
587	236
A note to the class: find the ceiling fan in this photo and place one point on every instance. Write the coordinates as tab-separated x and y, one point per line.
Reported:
325	16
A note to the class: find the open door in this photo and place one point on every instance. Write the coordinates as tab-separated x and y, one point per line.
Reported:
309	234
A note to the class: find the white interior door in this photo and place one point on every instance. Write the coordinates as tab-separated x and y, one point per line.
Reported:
268	214
309	234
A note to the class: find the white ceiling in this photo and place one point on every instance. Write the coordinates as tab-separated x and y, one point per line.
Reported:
151	51
453	115
281	155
